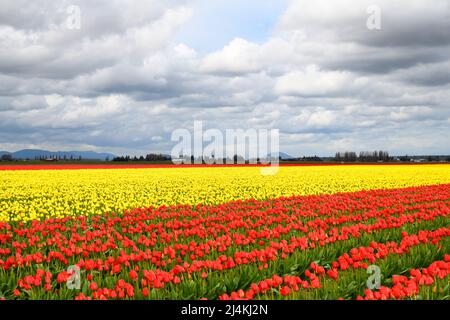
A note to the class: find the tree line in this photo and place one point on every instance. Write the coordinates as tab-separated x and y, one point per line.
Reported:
148	157
8	157
58	157
183	159
364	156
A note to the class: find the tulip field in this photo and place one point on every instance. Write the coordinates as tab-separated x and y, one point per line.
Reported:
306	232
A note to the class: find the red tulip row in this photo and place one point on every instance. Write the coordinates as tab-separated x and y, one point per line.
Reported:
159	249
223	262
185	166
315	232
357	259
409	287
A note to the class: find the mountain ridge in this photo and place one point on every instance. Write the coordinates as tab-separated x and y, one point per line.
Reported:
32	154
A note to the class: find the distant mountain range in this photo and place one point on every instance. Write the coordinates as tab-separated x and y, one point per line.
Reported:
32	154
282	155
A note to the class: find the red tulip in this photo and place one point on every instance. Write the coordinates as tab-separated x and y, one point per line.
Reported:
284	291
93	286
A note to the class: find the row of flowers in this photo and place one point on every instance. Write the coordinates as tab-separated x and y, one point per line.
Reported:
357	258
27	195
153	251
404	287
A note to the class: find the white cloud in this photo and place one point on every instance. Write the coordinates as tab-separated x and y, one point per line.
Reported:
313	82
322	118
239	56
325	80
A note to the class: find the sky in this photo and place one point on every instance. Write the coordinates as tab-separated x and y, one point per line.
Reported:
131	72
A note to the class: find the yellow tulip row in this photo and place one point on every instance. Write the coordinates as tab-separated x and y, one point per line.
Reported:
27	195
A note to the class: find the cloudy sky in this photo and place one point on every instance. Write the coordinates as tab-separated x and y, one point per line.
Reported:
133	71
